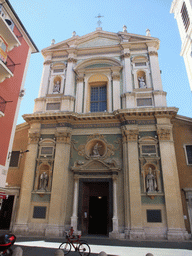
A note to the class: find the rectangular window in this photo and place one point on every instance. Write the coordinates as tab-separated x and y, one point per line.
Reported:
53	106
154	216
140	64
148	149
188	150
47	151
14	162
39	212
98	99
185	16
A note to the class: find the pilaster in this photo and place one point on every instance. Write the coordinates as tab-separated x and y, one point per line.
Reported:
70	77
45	78
136	224
75	204
155	70
79	94
127	72
57	211
116	89
21	226
175	221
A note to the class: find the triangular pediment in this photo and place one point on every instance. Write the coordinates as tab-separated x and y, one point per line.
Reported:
98	39
97	42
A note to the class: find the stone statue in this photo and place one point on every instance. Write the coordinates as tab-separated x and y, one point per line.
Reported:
142	83
56	88
43	181
151	183
96	150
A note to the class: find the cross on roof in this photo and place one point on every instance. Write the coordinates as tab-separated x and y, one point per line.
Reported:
98	17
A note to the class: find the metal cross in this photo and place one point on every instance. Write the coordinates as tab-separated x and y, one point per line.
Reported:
98	17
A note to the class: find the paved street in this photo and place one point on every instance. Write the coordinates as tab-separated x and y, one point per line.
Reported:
39	247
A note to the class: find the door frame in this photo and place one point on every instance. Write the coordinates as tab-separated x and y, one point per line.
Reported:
80	199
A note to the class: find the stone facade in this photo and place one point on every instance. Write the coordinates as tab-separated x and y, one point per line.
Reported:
100	142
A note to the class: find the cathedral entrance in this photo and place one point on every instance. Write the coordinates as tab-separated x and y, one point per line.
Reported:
95	211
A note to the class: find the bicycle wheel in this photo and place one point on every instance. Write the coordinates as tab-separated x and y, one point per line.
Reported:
84	249
66	247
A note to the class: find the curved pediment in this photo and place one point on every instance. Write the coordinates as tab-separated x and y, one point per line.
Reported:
107	62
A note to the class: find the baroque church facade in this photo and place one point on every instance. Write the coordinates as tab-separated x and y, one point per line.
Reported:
101	151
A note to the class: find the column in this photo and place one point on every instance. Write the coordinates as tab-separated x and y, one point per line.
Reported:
136	232
174	212
70	77
116	89
79	94
126	186
58	203
75	204
21	224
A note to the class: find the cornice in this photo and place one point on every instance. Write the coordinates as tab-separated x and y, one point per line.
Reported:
116	116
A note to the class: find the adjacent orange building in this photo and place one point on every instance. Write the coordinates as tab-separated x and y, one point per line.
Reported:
16	47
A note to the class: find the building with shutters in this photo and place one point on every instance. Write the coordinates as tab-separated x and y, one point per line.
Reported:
101	151
16	47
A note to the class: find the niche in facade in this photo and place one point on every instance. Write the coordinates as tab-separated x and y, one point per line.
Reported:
141	77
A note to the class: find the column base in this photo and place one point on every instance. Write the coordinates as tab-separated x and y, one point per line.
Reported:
20	229
74	223
115	225
177	234
54	231
137	234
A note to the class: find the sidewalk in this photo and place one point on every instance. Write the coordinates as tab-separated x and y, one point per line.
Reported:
110	246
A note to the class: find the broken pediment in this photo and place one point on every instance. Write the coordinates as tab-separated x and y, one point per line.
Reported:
95	165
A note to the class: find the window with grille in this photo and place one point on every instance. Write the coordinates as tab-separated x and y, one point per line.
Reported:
14	162
188	150
98	99
185	16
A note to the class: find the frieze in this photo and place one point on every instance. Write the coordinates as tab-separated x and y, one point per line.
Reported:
139	122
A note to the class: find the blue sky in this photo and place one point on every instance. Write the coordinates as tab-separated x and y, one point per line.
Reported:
57	19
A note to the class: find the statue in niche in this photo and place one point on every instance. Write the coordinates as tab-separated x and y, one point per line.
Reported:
56	88
151	182
142	83
43	181
96	150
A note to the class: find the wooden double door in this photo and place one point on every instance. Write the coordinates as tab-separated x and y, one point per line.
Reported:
95	208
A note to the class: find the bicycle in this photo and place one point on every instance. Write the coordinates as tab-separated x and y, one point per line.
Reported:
74	241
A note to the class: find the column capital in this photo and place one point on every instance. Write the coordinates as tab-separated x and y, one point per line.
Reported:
164	133
73	60
47	62
153	53
130	135
126	55
63	136
34	137
80	79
